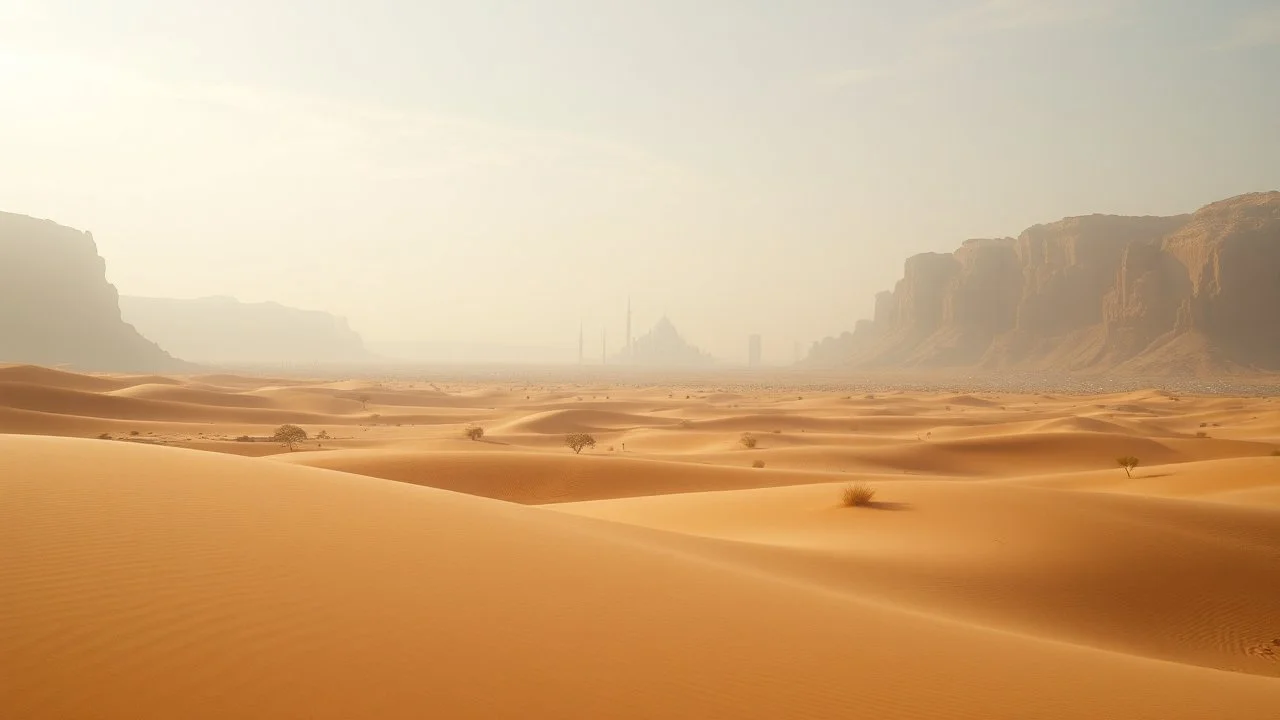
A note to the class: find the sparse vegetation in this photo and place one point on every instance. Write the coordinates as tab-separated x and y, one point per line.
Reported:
134	433
1128	462
857	495
244	438
578	441
289	435
757	464
323	435
1202	434
474	432
104	436
748	441
364	401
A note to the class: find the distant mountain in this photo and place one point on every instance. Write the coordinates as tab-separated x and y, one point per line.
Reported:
57	308
663	346
1189	294
225	330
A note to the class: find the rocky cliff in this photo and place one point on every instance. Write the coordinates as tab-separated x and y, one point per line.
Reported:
227	331
1186	294
57	308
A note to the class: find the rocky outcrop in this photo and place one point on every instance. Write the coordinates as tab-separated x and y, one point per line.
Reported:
223	330
57	308
1190	293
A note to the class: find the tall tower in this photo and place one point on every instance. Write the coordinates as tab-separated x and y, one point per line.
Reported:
628	351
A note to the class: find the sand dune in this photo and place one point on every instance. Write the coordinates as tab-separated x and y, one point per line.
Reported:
536	478
392	568
251	590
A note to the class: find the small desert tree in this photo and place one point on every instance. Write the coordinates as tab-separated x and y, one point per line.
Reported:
578	441
474	432
1128	462
289	435
364	401
748	441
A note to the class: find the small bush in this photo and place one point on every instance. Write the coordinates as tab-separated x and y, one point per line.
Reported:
244	438
578	441
1202	434
1204	424
857	495
104	436
757	464
134	433
748	441
1128	462
323	435
474	432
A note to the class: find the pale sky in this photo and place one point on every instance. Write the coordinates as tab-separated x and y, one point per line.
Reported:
494	171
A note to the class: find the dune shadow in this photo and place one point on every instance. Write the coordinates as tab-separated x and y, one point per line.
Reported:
882	505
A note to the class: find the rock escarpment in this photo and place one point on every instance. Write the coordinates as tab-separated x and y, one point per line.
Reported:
1185	294
227	331
57	308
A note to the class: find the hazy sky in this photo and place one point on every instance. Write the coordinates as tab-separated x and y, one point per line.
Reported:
496	170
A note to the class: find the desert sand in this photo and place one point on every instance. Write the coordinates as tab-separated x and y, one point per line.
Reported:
153	565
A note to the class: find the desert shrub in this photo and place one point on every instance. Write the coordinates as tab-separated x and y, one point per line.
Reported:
578	441
777	432
1202	434
757	464
244	438
1128	462
104	436
473	432
748	441
1204	424
289	435
323	435
857	495
364	401
134	433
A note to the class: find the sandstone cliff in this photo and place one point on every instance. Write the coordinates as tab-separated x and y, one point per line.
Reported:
225	330
1184	294
56	306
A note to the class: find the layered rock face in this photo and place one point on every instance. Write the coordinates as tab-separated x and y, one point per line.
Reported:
1178	294
57	308
227	331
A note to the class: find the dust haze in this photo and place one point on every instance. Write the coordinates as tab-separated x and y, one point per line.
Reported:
480	181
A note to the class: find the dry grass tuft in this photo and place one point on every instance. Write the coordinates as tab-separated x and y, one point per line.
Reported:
757	464
857	495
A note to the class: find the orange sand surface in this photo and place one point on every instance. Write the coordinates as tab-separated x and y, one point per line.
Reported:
152	565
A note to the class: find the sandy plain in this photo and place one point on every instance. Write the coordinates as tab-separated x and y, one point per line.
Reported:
152	565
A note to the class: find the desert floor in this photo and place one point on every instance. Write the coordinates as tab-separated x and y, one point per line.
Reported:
154	566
